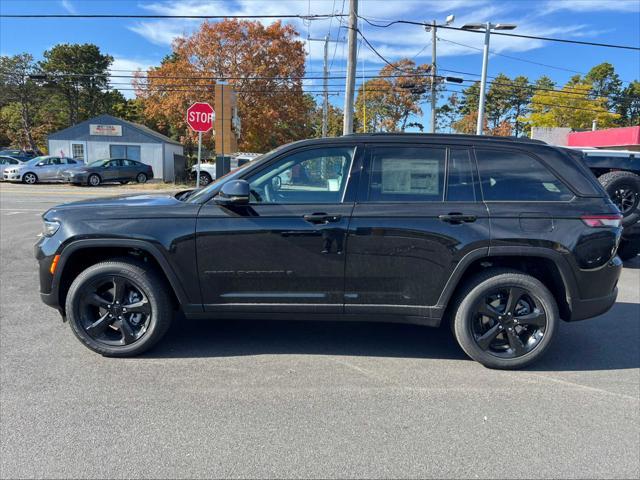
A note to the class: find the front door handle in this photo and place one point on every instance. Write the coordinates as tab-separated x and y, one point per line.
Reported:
457	218
321	218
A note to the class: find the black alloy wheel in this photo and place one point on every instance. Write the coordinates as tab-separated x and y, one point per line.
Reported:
505	318
508	322
626	199
119	307
114	310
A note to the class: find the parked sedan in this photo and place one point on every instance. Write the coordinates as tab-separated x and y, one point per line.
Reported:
46	168
120	170
6	162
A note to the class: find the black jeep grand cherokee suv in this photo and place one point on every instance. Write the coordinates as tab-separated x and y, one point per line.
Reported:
501	237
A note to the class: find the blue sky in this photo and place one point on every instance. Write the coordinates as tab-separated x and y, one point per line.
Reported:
136	43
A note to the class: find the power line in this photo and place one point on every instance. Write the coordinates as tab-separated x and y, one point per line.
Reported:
493	52
153	16
532	37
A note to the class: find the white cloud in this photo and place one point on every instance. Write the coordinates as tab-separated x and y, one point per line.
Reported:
592	6
121	70
69	7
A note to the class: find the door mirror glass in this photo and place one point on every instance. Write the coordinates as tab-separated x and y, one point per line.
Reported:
234	192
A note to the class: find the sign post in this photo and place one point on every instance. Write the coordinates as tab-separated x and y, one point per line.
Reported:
200	119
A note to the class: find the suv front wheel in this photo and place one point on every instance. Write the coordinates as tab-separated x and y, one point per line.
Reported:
119	308
505	319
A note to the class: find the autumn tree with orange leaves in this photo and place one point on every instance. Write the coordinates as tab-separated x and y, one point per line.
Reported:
265	66
388	102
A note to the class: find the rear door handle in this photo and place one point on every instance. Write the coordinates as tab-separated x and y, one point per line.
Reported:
319	218
457	218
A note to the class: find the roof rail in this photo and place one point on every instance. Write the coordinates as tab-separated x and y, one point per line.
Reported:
451	136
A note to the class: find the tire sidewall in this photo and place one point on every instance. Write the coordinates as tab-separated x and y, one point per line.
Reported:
462	319
141	176
142	279
633	182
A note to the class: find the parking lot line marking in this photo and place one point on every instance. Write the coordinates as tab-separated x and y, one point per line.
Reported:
20	210
584	387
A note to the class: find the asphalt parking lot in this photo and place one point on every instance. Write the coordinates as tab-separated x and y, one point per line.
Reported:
302	399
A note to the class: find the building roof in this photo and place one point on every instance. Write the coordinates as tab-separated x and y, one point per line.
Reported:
80	131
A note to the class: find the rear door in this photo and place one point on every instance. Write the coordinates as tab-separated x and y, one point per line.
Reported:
418	213
527	200
112	171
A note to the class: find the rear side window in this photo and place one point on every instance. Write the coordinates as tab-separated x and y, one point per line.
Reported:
515	176
460	176
407	174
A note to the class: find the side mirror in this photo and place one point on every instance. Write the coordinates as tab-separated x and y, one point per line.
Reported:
234	192
39	164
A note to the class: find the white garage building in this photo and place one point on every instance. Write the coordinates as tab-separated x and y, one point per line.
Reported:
106	136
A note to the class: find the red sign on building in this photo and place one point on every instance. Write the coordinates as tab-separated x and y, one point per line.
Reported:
200	117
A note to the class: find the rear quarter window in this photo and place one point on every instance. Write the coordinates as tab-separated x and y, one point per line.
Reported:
507	175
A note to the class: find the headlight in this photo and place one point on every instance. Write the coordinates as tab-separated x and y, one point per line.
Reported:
49	228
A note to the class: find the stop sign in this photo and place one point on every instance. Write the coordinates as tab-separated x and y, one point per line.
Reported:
200	117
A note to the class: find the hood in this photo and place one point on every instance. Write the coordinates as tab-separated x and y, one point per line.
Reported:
123	201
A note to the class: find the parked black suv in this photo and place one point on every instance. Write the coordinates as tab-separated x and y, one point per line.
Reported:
501	237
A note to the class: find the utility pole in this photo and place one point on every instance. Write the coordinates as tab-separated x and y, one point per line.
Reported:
432	28
485	61
325	82
433	77
347	123
325	87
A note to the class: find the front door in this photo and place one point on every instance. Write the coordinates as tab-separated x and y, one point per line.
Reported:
285	252
412	224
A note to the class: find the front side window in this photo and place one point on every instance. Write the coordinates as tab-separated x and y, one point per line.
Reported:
407	174
515	176
310	176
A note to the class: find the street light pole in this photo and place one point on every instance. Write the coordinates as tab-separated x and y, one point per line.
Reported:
487	27
483	79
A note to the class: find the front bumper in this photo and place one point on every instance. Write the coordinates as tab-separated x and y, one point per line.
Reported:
11	177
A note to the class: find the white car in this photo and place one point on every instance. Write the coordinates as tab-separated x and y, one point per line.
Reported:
46	168
208	169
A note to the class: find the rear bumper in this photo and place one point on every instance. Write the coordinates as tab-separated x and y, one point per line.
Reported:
603	281
583	309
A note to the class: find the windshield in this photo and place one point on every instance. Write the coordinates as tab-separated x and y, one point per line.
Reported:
98	163
33	161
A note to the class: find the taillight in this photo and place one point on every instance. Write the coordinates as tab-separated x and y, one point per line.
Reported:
608	220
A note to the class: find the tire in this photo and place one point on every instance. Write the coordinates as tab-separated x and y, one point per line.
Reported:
628	249
30	178
624	190
500	352
205	179
134	277
94	180
141	178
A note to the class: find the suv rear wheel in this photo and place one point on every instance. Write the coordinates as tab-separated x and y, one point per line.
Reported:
624	190
119	308
505	319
